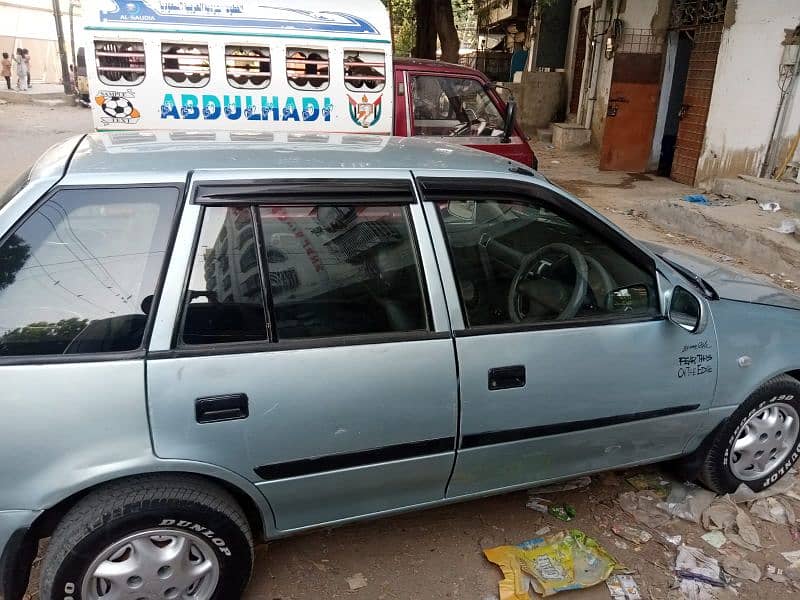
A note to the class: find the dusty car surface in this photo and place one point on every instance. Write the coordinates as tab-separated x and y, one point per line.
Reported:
212	340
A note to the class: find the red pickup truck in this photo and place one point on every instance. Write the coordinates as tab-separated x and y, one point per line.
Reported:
432	98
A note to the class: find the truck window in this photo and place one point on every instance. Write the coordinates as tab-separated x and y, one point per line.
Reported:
185	65
364	71
453	107
307	69
120	63
248	67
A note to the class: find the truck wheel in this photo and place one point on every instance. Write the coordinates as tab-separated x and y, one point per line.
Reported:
760	442
150	537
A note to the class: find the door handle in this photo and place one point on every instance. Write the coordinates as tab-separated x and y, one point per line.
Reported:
504	378
227	407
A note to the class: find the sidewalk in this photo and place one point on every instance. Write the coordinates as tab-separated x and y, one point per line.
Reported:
732	231
38	92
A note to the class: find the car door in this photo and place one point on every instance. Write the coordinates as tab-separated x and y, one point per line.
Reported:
458	109
332	387
559	377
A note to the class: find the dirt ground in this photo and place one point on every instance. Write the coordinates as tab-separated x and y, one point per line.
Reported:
438	553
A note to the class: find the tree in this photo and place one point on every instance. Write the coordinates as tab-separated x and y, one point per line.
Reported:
432	23
13	255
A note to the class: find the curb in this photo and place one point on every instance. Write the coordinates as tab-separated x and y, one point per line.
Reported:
754	246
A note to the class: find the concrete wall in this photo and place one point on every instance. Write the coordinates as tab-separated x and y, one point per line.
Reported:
745	96
30	24
540	97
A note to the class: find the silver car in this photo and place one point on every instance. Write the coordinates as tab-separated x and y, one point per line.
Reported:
208	341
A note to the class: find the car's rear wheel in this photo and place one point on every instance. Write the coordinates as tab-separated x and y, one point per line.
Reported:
760	442
153	538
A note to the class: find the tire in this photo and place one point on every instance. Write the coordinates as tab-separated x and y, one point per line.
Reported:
723	469
169	509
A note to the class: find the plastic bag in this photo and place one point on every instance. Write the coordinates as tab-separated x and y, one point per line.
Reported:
560	562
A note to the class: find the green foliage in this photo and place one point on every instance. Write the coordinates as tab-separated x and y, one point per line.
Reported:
43	331
405	19
13	255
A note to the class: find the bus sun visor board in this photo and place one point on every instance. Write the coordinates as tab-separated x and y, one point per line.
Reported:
272	65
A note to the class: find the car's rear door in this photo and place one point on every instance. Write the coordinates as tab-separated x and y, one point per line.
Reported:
332	387
550	397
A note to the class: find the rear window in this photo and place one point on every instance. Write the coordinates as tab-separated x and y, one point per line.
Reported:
119	62
307	69
78	275
185	65
248	67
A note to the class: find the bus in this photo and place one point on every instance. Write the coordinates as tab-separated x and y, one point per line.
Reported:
272	66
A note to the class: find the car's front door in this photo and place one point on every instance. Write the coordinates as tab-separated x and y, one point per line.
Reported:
566	362
332	387
459	110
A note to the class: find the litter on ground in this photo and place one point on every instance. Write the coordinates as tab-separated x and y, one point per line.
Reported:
632	534
741	569
562	512
623	587
716	539
563	561
356	582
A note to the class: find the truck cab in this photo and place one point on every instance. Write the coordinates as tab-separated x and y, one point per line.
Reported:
458	104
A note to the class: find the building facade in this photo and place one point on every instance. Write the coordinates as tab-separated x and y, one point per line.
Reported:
30	24
693	89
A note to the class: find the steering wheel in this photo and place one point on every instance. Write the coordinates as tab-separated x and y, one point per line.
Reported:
606	281
466	127
545	292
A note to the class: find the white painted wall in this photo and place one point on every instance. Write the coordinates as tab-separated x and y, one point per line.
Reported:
745	96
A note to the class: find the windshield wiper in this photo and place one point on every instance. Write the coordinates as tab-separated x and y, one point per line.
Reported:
701	284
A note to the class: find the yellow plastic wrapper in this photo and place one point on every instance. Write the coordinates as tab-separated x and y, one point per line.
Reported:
564	561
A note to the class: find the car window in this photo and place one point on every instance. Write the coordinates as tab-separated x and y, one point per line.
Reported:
517	261
454	107
78	276
225	302
342	270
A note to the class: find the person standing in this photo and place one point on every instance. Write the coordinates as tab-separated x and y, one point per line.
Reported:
27	57
21	71
5	68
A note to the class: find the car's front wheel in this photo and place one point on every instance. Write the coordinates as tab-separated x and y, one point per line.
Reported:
150	537
760	442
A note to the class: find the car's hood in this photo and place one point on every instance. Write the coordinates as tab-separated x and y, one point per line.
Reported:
728	282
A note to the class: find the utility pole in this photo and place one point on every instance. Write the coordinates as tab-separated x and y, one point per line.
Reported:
62	52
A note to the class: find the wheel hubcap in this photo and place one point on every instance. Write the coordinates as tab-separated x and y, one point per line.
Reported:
157	564
764	441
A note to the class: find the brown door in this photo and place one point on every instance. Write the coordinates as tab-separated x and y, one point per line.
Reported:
580	59
696	100
631	116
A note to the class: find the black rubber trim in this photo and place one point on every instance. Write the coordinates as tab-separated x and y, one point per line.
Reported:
334	462
554	325
306	191
304	344
489	438
15	565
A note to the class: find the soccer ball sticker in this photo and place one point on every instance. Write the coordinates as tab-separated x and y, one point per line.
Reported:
117	109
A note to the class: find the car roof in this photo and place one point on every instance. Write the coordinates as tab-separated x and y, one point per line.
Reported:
172	155
426	64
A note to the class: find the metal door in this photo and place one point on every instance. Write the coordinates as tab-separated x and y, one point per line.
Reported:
631	114
696	102
553	399
327	428
580	59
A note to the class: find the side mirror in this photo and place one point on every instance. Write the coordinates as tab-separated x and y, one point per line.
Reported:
508	125
686	311
631	299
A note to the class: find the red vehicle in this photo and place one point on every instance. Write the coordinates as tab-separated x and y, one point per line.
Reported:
457	104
